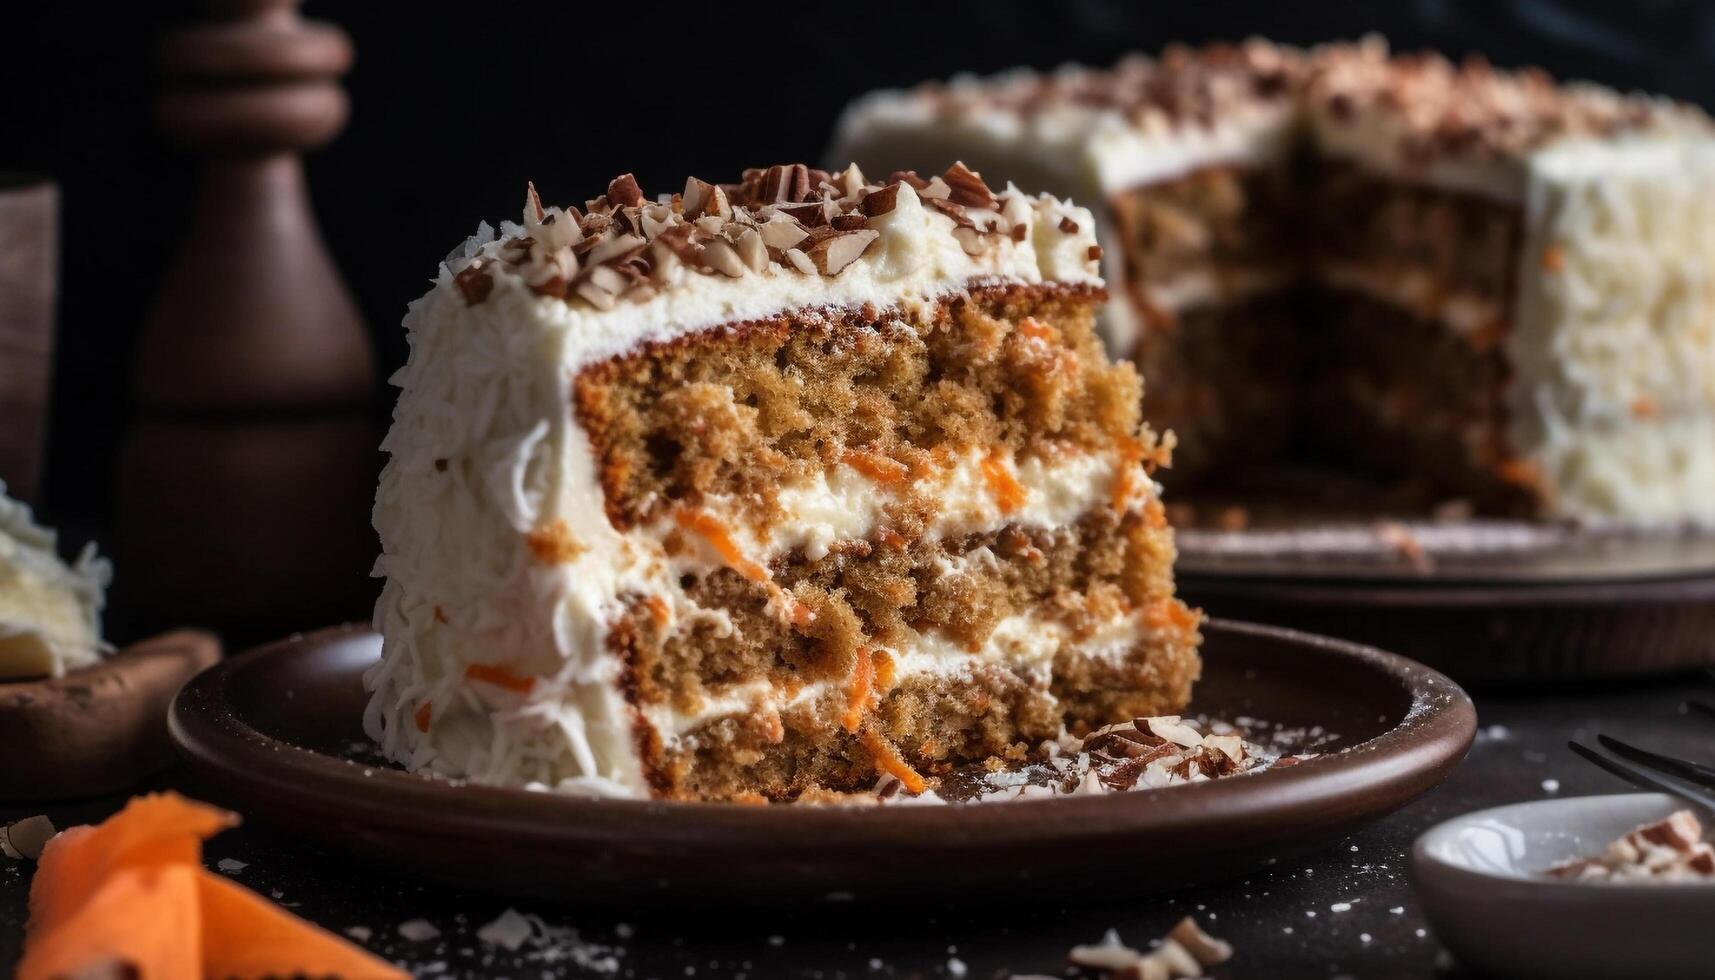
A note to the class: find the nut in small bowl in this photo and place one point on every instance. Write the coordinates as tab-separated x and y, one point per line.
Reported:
1496	888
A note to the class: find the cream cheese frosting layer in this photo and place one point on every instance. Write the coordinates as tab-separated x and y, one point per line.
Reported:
1094	131
1024	643
487	460
1614	336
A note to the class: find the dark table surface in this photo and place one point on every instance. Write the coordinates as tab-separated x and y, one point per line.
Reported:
1345	910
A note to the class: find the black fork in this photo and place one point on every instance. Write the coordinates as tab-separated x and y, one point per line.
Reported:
1693	781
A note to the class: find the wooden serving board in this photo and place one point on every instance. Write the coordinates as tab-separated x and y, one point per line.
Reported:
101	729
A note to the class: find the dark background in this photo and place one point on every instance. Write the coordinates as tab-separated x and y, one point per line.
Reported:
455	106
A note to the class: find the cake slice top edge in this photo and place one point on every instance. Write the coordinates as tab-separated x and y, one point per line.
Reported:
628	269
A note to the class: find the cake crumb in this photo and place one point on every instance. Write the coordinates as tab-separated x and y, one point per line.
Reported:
509	931
418	931
1185	951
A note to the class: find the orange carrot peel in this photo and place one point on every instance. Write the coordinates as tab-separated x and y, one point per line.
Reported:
857	694
888	760
1008	494
881	469
710	529
133	892
500	677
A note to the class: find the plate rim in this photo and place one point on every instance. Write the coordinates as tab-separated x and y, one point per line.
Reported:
1310	569
1418	752
1437	592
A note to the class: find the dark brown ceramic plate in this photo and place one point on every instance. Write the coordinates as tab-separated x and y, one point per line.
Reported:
1425	552
272	729
1491	635
1490	602
1311	524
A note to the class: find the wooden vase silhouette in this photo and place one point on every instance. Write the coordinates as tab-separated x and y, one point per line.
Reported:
246	482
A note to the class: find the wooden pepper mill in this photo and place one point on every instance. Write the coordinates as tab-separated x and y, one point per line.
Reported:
245	486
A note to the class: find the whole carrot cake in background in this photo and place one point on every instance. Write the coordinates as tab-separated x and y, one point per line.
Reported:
769	489
1483	282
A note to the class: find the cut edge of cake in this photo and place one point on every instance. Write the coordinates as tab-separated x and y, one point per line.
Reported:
1578	311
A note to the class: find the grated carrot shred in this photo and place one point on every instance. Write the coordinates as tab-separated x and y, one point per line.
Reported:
499	677
659	610
1130	452
880	468
1645	407
710	529
1035	329
554	544
797	613
888	760
1163	613
1553	259
893	539
1008	495
422	716
884	671
857	693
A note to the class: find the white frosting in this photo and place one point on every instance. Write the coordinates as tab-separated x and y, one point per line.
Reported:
485	450
50	612
1613	343
1089	150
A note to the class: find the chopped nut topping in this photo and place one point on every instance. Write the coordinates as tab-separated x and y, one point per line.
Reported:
786	219
832	254
721	256
1208	950
966	187
1438	107
623	192
532	201
1667	850
972	241
752	251
474	282
783	233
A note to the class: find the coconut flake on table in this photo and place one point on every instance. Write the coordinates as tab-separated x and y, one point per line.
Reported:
418	931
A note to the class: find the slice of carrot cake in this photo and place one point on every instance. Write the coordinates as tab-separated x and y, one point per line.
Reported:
769	488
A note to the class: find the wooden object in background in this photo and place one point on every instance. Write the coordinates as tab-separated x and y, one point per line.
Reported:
29	225
245	486
100	729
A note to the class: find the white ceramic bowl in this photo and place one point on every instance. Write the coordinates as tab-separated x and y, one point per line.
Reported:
1480	877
